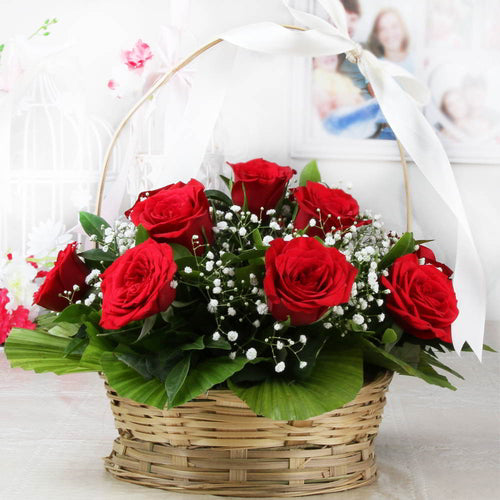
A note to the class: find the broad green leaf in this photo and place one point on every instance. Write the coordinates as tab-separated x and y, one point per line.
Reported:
257	239
76	346
98	255
222	343
180	251
389	336
141	234
196	345
252	254
129	384
64	329
137	362
404	246
41	352
336	379
91	357
73	314
214	194
176	377
434	362
93	224
205	375
310	173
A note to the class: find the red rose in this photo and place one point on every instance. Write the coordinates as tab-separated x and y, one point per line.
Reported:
174	213
304	278
265	183
138	284
429	258
422	299
337	209
68	271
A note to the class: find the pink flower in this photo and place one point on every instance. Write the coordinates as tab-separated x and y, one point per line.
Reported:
138	56
113	84
18	318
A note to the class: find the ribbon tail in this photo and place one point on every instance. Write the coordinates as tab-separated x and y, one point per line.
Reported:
420	141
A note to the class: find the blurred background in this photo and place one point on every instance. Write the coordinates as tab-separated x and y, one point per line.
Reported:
63	93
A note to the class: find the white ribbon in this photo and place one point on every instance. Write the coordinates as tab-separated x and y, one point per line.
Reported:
400	96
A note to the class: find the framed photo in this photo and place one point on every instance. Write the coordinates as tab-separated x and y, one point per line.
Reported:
453	46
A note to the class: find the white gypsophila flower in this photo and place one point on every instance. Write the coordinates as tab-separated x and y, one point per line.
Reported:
251	353
278	326
256	323
279	345
279	367
174	284
216	336
188	270
209	266
232	355
303	339
242	231
228	216
329	240
381	317
271	211
212	305
216	290
254	219
302	364
210	255
327	325
358	319
232	335
379	302
274	225
267	240
235	208
231	311
217	282
288	237
230	283
312	222
262	308
222	225
47	238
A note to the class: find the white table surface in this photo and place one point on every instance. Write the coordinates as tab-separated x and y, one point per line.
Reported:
434	443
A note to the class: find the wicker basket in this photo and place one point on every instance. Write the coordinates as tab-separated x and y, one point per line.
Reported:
216	444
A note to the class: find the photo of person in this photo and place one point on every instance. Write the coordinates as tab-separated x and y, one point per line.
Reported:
341	95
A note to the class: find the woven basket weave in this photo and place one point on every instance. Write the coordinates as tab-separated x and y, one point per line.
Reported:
216	444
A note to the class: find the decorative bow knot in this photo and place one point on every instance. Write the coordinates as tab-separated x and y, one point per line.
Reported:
400	96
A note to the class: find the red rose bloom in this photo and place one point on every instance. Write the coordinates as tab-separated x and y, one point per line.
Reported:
265	183
69	270
338	210
304	278
428	257
422	299
174	213
138	284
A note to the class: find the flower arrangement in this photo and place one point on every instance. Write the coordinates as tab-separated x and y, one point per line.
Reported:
289	296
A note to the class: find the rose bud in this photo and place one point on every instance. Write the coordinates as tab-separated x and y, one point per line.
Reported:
422	299
138	284
337	209
263	183
174	213
304	279
68	273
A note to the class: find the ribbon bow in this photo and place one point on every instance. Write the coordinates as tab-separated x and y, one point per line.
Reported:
400	97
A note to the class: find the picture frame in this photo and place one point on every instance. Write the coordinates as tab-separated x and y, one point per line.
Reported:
453	50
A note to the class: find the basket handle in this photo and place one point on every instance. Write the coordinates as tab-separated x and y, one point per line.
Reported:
166	78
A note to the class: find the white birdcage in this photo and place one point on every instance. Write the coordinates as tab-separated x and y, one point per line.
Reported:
55	152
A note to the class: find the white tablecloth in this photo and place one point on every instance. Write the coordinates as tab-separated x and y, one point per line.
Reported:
434	443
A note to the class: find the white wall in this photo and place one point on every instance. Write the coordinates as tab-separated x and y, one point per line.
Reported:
257	114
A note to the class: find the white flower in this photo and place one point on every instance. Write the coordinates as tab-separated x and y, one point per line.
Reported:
216	336
209	266
381	317
279	367
173	284
262	308
338	310
302	339
222	225
274	225
212	305
217	282
230	284
271	211
232	335
256	323
251	353
47	239
210	255
231	311
327	325
288	237
279	345
232	355
379	302
267	240
242	231
302	364
216	290
312	222
329	240
358	319
228	216
235	208
254	219
278	326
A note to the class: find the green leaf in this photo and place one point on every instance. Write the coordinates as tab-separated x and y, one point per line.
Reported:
137	362
98	255
205	375
404	246
389	336
196	345
257	239
310	173
434	362
64	329
180	251
141	234
214	194
130	384
227	181
147	326
41	352
336	379
177	376
252	254
75	313
93	224
222	343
